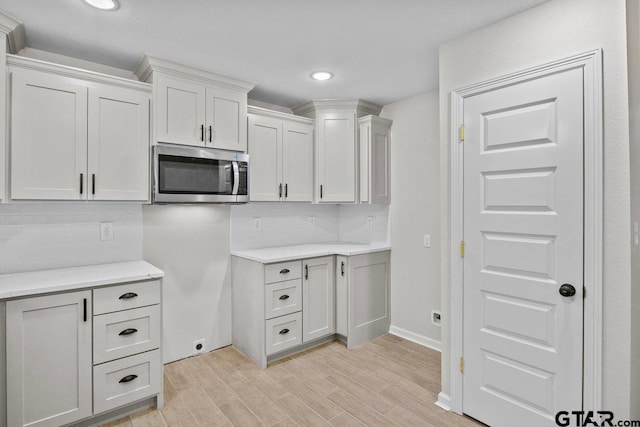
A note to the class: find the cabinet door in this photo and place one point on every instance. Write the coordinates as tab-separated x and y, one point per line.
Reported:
318	301
180	111
48	137
336	157
368	297
342	270
49	359
297	161
118	150
226	119
265	156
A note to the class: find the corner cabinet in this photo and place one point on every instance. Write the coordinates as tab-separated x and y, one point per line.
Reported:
341	167
281	156
77	135
195	107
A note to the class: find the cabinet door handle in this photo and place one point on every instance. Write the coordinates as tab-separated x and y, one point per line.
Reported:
128	295
284	297
81	183
286	191
128	332
93	183
84	309
202	133
280	190
306	272
128	378
321	191
210	133
284	331
285	271
342	268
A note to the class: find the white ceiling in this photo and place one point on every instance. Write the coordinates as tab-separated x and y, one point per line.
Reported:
379	50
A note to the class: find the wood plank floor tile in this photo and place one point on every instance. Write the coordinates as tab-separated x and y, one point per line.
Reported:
364	413
314	400
299	412
239	414
386	382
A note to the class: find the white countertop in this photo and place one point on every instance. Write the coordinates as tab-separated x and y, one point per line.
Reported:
288	253
65	279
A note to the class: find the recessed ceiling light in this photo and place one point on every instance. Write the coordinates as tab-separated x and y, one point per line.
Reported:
321	75
103	4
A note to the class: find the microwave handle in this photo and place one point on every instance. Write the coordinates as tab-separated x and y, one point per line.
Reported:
236	178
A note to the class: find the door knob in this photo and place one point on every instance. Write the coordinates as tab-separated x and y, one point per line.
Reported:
567	290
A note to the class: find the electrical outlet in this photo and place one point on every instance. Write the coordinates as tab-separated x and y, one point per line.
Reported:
370	222
436	318
257	224
198	346
635	234
427	240
311	221
106	231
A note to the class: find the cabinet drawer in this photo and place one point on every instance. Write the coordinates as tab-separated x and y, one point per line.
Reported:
126	380
124	297
282	271
283	332
124	333
282	298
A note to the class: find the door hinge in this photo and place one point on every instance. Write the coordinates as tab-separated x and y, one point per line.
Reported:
462	248
462	365
461	133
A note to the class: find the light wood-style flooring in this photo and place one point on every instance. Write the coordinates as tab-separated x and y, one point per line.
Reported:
387	382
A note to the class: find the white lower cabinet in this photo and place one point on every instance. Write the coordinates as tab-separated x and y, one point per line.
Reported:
280	308
318	296
49	359
362	297
76	354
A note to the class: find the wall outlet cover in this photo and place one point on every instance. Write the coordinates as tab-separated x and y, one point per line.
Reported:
106	231
436	318
198	347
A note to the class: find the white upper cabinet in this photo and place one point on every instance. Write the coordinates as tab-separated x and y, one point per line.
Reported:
337	151
195	107
77	135
118	149
373	143
281	156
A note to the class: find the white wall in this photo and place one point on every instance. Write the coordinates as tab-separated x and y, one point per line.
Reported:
415	211
553	30
633	52
44	235
191	245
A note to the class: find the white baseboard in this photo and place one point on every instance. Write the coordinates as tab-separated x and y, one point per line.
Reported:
416	338
444	401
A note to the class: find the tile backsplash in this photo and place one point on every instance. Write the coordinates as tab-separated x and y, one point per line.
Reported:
263	224
44	235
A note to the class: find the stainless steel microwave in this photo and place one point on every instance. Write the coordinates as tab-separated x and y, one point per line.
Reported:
186	174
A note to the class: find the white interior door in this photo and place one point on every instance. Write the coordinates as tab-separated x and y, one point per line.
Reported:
523	232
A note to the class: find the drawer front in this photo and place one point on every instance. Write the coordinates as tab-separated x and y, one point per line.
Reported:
126	380
282	298
282	271
124	333
283	332
124	297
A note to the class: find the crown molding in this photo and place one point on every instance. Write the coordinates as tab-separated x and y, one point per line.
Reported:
375	119
264	112
22	62
149	65
14	30
361	107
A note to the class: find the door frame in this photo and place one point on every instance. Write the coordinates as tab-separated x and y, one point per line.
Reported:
591	64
